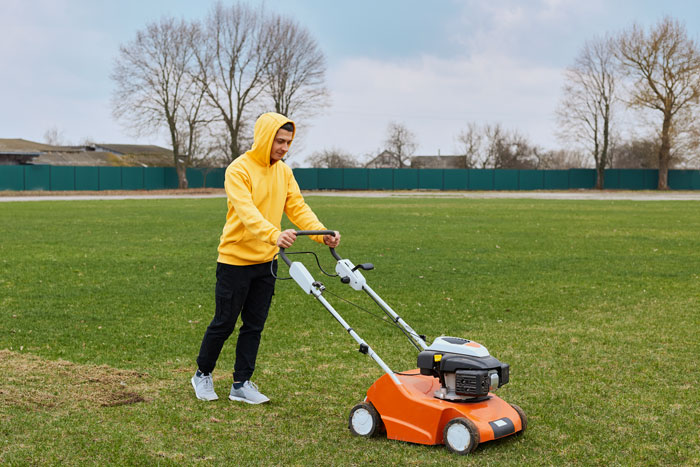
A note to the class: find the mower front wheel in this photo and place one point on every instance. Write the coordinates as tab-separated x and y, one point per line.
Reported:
461	435
523	418
365	420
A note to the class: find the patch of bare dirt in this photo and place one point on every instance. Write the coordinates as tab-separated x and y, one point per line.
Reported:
35	383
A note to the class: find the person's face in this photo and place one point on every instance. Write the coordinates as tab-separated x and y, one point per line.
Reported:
280	145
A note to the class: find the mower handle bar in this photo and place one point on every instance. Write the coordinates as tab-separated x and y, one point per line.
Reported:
310	232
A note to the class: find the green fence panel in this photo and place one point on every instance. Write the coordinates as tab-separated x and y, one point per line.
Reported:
170	179
12	177
37	177
405	179
455	179
505	179
62	178
87	178
612	179
695	179
556	179
684	179
154	178
109	178
431	179
582	178
355	179
531	180
44	177
215	178
481	179
330	179
307	178
632	179
132	178
195	178
651	179
381	179
679	179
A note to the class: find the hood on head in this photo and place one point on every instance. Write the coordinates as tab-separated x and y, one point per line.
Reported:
266	127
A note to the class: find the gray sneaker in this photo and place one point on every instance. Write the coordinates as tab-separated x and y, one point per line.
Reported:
248	393
204	387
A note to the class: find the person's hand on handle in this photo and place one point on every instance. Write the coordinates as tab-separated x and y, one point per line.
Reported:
332	240
286	238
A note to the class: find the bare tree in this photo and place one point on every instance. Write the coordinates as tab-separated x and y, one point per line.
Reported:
332	158
560	159
155	87
470	141
54	137
296	71
492	146
400	143
233	58
586	108
638	153
665	66
510	149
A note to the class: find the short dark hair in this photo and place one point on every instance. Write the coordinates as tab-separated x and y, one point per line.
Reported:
289	126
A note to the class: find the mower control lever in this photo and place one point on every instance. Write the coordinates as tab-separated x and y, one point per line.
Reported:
364	267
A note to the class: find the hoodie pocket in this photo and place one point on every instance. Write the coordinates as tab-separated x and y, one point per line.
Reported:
233	234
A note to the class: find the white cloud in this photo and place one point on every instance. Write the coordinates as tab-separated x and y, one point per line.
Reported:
435	98
509	70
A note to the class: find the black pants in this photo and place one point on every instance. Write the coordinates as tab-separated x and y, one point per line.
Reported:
240	290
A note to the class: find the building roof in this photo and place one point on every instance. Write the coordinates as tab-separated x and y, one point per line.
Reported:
438	162
21	151
86	158
383	160
133	149
18	145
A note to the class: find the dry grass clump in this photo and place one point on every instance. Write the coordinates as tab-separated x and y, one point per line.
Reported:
35	383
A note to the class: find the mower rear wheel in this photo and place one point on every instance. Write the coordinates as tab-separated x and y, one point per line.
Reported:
365	420
461	436
523	418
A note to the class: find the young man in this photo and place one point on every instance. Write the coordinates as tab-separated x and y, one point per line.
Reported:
259	188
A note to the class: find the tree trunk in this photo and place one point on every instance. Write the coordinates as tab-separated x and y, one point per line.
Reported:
181	176
603	158
600	179
235	151
664	153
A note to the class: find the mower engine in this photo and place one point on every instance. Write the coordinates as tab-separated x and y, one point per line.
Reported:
466	370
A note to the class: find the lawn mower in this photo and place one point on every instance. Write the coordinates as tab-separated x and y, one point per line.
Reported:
447	400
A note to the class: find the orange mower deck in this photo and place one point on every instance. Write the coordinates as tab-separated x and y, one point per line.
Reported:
410	412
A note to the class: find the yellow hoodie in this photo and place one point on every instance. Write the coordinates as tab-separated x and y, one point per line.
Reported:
258	193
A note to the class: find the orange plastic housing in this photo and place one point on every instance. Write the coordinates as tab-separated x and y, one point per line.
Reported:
412	413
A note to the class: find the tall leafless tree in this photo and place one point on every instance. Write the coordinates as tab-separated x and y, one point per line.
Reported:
470	141
492	146
638	153
400	143
332	158
156	89
54	136
233	58
665	66
585	112
296	71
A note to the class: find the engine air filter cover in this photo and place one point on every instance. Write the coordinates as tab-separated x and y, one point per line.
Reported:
472	382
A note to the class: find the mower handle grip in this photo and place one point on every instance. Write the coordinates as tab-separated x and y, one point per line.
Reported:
310	232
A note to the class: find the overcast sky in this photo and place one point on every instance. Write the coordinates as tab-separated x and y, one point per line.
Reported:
432	65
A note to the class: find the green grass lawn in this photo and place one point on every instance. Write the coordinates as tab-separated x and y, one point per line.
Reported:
594	304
